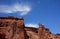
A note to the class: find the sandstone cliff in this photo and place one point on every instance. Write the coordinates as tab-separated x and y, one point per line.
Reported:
14	28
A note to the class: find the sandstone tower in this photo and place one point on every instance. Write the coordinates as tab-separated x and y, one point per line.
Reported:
43	32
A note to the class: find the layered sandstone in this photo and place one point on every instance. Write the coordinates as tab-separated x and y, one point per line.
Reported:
44	33
14	28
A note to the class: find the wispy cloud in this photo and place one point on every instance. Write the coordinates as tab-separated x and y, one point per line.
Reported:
32	25
22	9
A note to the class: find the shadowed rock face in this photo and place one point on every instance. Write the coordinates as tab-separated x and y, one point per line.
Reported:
13	28
2	36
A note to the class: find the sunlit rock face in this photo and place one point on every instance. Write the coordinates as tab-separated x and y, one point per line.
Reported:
14	28
44	33
11	28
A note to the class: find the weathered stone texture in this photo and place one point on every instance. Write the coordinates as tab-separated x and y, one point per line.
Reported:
45	33
14	28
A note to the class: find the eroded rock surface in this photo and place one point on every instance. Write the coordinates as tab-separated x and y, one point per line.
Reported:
14	28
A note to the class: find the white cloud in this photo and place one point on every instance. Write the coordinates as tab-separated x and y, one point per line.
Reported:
22	9
32	25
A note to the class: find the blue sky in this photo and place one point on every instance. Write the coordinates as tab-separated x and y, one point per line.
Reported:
34	12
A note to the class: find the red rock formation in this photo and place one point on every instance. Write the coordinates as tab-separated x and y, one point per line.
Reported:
31	29
14	28
44	33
